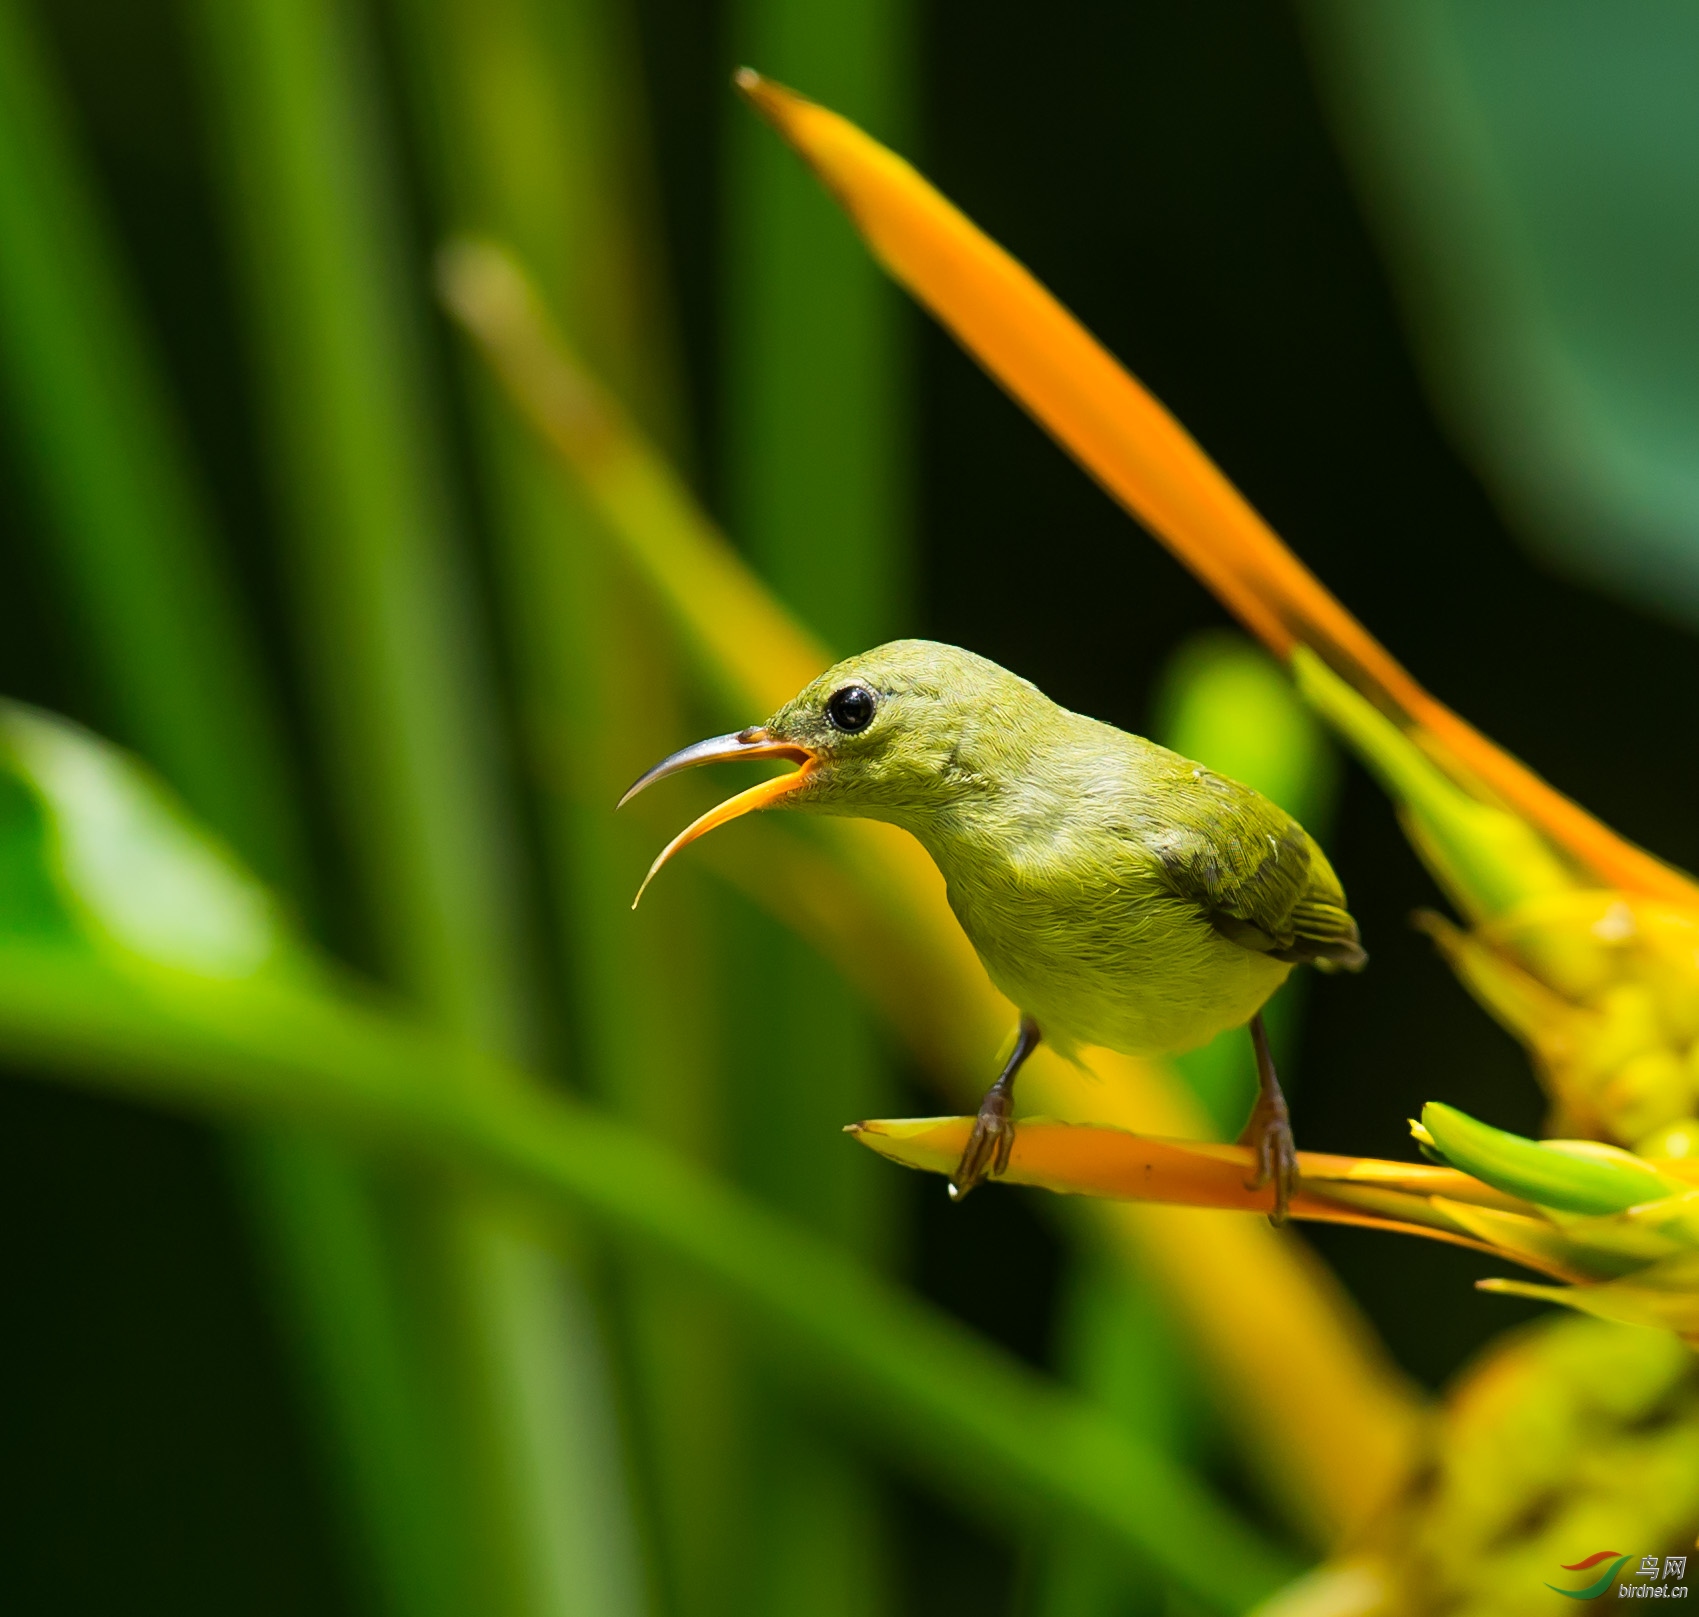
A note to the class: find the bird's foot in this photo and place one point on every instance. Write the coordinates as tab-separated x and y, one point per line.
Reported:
988	1147
1269	1135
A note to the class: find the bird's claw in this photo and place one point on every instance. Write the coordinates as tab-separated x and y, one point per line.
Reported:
987	1153
1269	1135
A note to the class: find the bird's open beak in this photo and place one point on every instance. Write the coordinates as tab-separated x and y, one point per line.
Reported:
753	743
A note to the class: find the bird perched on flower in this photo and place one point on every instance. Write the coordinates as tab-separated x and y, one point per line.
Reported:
1117	893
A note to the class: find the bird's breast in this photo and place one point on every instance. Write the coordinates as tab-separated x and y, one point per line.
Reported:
1093	944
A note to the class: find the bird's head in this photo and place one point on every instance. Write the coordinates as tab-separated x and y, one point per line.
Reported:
899	733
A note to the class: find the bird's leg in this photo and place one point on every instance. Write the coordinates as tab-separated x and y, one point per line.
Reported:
1269	1131
987	1153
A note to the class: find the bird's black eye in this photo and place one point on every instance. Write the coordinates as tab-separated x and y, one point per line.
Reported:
850	709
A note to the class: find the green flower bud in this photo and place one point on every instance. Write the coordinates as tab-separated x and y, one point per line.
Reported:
1575	1176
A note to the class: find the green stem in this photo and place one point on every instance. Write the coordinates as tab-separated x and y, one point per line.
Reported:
967	1414
403	703
817	437
134	544
137	558
526	110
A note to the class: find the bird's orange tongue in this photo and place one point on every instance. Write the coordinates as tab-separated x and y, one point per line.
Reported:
757	796
753	743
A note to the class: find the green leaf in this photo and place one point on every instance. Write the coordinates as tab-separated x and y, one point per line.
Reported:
32	903
333	292
126	866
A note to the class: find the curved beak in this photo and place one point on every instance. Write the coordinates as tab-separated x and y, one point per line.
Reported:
752	743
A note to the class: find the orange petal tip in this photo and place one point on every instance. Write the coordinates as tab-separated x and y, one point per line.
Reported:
770	98
773	101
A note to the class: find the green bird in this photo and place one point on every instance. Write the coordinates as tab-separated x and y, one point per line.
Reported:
1117	893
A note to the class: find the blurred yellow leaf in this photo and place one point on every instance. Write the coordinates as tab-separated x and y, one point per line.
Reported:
1664	1294
1564	1438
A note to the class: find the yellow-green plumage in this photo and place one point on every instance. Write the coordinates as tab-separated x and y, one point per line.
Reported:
1119	894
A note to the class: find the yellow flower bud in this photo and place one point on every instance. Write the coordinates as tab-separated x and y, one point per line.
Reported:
1646	1092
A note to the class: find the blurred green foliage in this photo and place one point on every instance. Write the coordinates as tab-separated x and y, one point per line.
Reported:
1578	1432
1532	172
590	1308
208	1001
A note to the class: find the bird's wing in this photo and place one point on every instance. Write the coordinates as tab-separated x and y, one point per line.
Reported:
1258	876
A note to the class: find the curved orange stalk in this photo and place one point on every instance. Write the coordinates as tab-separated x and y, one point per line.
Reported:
1146	460
1077	1159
